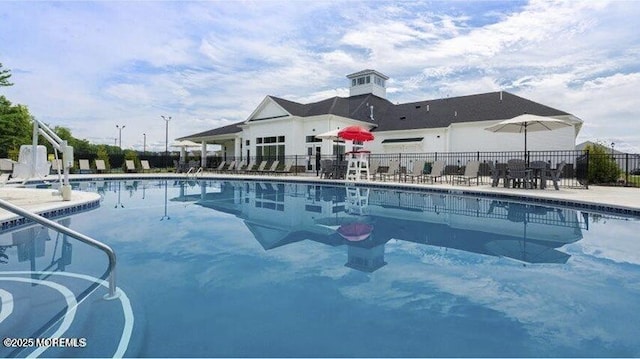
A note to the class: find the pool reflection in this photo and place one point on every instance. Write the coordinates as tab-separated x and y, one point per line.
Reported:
364	220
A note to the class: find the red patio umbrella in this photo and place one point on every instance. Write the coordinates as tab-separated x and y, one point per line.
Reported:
355	232
355	133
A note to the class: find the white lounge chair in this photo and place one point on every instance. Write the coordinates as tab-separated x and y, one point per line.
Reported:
84	166
130	165
100	166
145	165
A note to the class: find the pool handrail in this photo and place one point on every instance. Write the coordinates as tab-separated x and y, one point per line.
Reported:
77	235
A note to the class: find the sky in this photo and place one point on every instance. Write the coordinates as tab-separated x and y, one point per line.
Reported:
90	66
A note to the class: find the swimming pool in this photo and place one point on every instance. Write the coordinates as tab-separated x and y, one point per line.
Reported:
223	268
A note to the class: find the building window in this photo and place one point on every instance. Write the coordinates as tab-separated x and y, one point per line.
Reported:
360	80
270	148
313	139
353	82
247	142
368	79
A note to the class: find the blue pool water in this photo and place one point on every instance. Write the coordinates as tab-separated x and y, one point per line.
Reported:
216	268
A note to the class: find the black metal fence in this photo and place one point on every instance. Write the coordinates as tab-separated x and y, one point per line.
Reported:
581	168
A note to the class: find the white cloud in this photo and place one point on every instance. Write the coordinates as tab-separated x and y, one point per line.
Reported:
107	62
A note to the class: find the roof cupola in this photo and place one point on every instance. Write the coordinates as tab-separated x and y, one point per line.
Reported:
368	82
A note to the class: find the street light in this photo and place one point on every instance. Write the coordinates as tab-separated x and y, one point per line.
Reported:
120	128
166	138
144	143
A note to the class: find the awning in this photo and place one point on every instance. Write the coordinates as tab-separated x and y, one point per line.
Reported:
391	141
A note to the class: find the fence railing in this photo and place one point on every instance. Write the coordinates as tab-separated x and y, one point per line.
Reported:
580	170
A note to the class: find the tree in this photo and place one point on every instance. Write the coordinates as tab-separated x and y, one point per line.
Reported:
16	128
4	77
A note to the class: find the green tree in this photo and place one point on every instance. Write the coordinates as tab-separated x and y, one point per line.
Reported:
602	166
16	128
103	154
4	77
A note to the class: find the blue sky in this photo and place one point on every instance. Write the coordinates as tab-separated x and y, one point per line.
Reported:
90	66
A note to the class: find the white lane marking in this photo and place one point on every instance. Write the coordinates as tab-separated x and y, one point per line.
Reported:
129	319
7	304
71	306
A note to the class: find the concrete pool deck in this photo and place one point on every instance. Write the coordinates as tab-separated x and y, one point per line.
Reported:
43	201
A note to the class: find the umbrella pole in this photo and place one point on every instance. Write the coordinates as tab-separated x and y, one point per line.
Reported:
525	144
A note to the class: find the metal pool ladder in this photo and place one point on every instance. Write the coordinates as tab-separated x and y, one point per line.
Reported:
77	235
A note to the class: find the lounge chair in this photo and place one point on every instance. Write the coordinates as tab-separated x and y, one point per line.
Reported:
100	166
286	170
220	167
272	168
130	165
84	166
471	171
416	171
248	167
55	165
437	171
261	167
145	165
230	168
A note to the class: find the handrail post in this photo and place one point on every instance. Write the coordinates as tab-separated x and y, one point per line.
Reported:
111	255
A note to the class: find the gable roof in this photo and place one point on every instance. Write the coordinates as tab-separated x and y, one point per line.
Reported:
387	116
224	130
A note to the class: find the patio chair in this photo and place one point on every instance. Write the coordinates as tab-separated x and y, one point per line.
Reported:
555	175
437	171
518	174
145	165
326	168
100	166
471	171
392	171
416	171
130	165
84	166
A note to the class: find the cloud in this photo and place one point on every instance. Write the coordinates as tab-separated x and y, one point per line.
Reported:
78	62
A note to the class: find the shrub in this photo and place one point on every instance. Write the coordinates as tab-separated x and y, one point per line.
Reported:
602	167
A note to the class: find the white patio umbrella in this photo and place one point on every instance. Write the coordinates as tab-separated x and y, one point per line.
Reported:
329	135
184	144
528	123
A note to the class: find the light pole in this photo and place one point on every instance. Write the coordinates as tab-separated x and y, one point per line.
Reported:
612	154
120	128
166	138
144	143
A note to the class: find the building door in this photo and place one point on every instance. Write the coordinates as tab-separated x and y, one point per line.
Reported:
312	150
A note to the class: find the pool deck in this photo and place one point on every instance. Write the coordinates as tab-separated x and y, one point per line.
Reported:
46	200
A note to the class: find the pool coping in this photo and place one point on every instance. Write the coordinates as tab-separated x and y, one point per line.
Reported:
616	200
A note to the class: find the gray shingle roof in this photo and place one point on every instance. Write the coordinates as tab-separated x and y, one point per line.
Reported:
415	115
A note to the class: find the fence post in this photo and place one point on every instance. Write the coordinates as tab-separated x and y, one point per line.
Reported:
626	169
586	181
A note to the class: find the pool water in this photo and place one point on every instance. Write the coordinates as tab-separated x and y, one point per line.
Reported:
252	269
